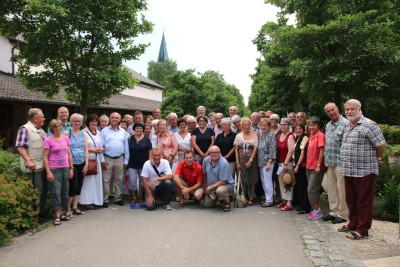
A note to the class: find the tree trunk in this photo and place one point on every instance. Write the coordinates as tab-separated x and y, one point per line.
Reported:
84	101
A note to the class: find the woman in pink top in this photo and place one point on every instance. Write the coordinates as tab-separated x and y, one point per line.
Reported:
57	160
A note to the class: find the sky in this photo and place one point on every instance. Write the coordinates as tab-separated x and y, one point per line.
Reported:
207	35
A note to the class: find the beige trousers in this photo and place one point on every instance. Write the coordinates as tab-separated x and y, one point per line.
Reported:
336	192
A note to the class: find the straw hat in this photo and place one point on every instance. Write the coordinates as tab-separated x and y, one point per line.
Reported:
287	178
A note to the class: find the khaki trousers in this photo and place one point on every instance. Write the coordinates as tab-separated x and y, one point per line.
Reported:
222	193
336	193
115	168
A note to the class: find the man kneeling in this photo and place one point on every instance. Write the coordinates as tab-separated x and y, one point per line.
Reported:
188	179
157	176
218	179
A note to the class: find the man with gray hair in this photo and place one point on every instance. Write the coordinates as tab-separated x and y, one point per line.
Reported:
218	181
218	128
29	144
335	181
116	155
362	146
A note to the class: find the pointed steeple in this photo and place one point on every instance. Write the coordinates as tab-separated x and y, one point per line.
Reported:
163	54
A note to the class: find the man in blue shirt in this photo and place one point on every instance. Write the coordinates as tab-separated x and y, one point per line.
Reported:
116	155
218	181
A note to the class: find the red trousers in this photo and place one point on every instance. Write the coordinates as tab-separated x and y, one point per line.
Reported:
360	192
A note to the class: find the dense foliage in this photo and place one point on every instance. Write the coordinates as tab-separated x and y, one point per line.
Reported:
76	44
187	90
337	50
159	72
18	199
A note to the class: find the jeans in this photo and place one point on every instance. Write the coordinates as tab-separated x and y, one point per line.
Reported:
59	188
163	189
134	174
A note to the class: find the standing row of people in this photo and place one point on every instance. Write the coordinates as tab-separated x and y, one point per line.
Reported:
287	156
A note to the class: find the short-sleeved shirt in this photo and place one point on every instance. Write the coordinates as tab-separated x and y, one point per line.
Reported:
225	144
190	174
333	141
138	152
314	144
218	172
358	151
149	173
203	140
23	136
58	151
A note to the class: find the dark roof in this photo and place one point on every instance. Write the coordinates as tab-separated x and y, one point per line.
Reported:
12	89
143	79
163	53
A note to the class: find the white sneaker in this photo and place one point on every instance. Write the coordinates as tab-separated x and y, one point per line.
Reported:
167	207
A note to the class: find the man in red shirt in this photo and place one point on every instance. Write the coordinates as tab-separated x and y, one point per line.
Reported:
188	179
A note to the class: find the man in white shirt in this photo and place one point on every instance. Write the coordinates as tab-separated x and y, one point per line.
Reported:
157	180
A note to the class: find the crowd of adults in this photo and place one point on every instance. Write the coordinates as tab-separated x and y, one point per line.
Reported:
86	163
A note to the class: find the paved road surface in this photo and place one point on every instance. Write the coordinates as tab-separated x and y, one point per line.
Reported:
192	236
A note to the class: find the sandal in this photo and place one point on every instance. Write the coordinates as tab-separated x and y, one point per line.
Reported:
344	229
286	208
133	202
141	202
250	202
356	236
227	207
281	205
57	221
78	212
69	214
65	218
177	199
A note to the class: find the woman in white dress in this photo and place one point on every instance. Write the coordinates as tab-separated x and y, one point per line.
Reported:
92	188
183	138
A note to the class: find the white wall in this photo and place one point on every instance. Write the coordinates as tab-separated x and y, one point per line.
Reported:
5	55
146	93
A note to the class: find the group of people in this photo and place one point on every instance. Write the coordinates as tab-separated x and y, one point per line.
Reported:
283	161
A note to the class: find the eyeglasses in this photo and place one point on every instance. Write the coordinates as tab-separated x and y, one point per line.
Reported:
214	152
284	124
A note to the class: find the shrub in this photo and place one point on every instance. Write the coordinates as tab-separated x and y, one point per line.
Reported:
391	133
18	198
386	206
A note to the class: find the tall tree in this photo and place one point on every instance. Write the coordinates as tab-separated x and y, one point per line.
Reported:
189	89
338	50
76	44
159	72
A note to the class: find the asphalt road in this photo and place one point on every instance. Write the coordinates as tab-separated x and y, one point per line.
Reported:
191	236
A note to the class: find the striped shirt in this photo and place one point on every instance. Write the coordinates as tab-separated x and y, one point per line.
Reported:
333	141
358	151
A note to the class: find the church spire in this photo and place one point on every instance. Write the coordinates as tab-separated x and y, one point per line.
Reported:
163	54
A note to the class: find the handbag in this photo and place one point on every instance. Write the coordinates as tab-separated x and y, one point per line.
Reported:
240	199
92	163
92	167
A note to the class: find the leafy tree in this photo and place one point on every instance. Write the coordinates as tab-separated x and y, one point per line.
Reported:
159	72
77	44
188	90
337	50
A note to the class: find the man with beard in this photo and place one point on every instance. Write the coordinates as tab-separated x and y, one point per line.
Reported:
362	145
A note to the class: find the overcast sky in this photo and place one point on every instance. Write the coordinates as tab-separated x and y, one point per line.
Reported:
207	35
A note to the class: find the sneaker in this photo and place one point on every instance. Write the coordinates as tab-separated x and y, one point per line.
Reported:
315	215
167	207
